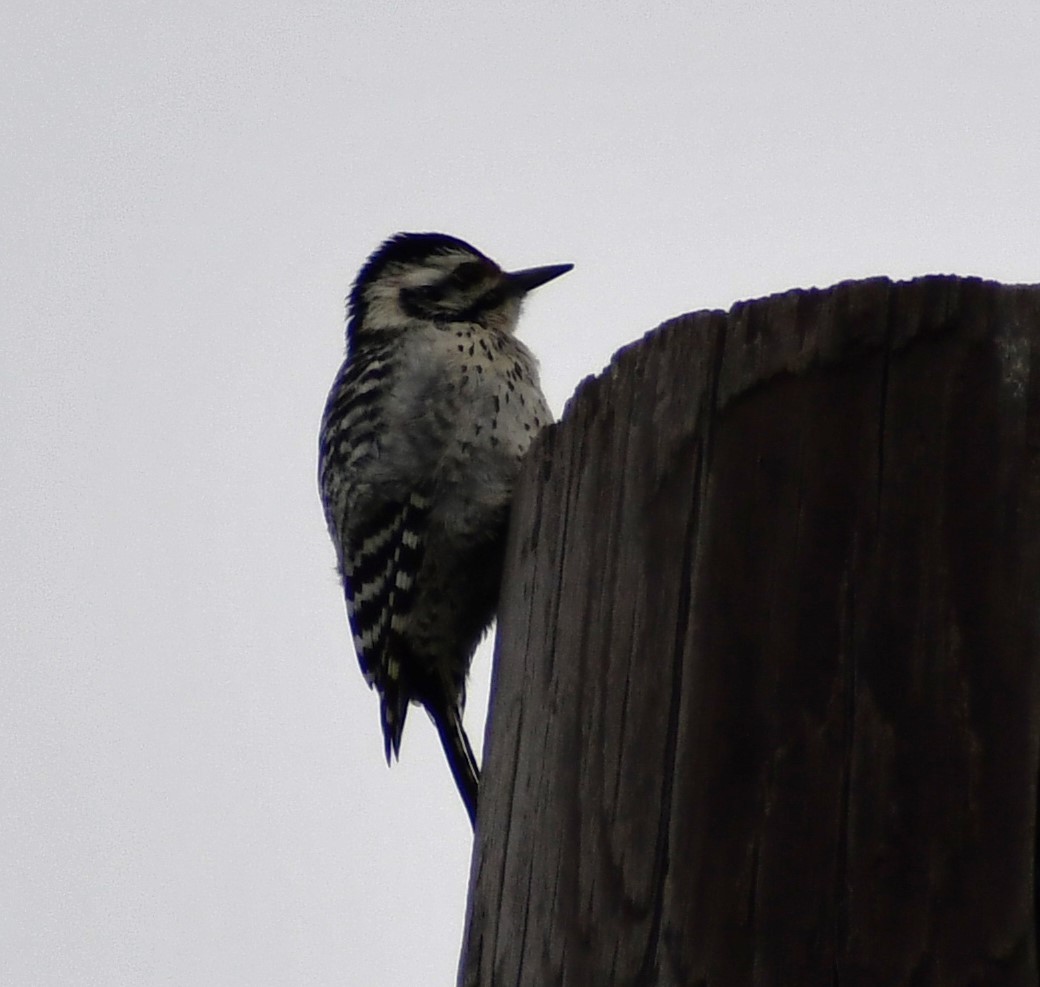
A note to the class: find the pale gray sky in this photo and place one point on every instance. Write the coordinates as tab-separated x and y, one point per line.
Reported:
192	787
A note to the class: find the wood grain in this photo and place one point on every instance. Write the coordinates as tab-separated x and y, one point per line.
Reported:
765	707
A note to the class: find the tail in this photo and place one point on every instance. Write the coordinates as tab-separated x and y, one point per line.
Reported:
448	719
393	708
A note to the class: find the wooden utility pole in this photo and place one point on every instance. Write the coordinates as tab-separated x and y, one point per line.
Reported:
766	703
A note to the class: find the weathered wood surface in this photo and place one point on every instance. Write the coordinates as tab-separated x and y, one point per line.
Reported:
765	703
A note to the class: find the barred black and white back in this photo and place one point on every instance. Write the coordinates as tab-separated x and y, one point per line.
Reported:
420	446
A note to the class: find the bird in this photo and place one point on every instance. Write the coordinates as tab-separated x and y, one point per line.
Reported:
420	446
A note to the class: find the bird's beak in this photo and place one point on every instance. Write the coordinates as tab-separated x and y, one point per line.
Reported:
524	281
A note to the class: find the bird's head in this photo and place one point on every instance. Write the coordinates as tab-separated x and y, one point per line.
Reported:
432	277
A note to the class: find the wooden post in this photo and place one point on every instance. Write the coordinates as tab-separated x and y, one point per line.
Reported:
766	704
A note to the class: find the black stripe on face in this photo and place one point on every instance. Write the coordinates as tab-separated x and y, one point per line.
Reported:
494	298
450	298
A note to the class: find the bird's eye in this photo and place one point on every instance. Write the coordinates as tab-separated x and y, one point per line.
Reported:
468	274
423	294
421	298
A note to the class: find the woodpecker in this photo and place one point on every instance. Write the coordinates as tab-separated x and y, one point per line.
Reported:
420	446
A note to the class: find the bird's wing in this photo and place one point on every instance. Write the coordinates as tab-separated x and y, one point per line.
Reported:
380	580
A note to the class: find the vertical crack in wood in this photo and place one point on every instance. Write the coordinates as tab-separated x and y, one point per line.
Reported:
506	836
861	565
521	951
648	970
886	361
1036	854
842	893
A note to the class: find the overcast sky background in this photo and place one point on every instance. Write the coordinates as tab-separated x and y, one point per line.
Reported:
192	784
